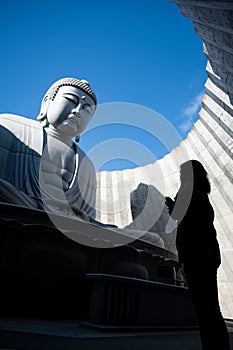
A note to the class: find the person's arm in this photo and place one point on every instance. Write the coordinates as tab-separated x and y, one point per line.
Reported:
182	201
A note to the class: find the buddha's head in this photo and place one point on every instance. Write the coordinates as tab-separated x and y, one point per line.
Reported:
68	106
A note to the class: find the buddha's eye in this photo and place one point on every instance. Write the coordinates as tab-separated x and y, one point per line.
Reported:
72	98
88	108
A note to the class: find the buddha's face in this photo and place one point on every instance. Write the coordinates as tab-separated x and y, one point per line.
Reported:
70	111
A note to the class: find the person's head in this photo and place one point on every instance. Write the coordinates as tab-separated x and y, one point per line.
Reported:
193	170
68	106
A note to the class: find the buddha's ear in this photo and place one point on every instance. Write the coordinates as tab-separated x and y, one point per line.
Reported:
44	108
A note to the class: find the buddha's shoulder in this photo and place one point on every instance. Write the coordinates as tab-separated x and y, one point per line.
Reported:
28	131
12	120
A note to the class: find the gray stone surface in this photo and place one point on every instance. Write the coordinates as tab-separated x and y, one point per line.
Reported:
149	211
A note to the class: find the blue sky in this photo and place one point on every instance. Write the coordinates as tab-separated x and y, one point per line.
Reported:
133	52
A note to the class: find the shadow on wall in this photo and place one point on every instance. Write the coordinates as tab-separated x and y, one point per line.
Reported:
150	213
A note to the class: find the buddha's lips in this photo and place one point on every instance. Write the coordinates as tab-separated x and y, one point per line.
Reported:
73	120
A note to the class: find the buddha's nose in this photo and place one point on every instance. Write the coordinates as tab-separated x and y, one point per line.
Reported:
76	110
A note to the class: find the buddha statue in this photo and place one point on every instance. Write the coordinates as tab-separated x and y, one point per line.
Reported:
42	166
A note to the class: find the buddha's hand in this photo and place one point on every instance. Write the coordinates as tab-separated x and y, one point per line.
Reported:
80	213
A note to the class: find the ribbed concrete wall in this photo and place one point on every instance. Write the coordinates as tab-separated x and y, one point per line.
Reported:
210	141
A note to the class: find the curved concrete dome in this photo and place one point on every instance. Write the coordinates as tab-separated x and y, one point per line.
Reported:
210	141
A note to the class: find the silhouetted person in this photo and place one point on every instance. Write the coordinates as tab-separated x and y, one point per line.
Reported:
198	251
